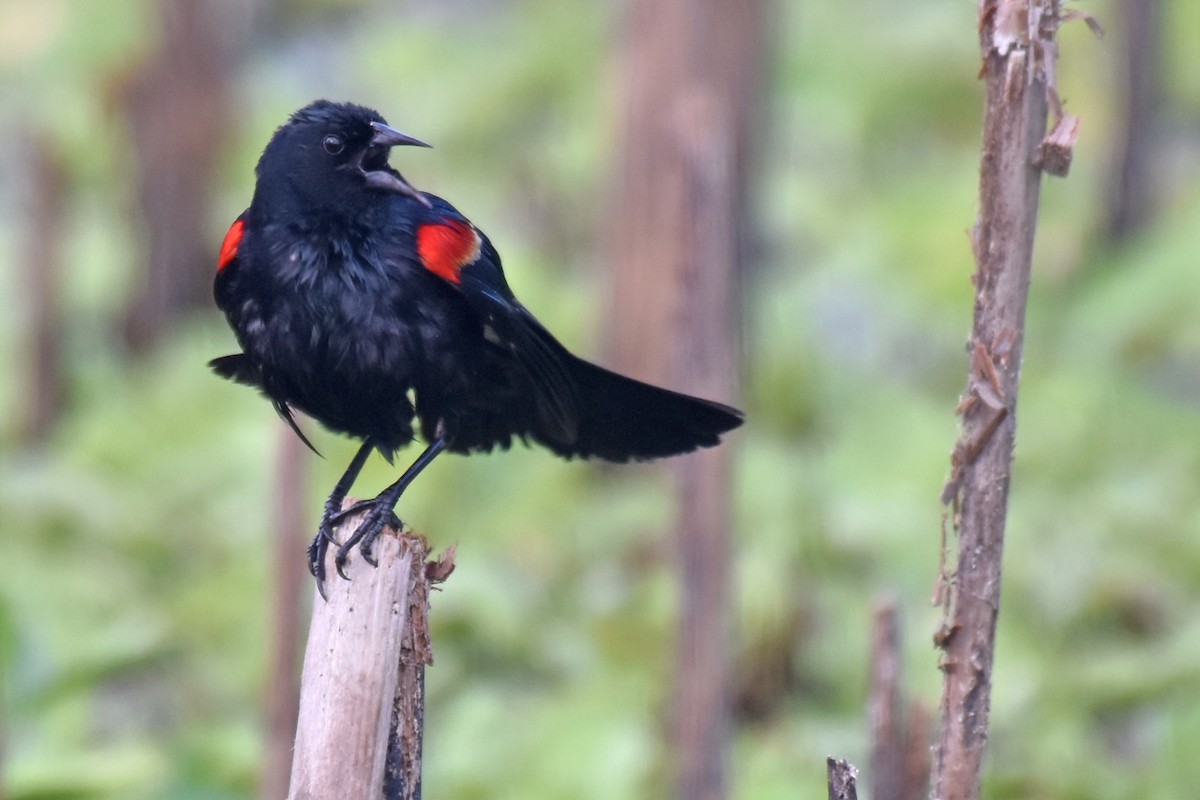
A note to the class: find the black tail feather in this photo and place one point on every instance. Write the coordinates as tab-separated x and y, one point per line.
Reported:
578	408
622	419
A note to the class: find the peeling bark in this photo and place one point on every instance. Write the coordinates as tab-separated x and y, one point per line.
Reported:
1019	51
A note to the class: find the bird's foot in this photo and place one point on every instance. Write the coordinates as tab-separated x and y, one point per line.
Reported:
379	515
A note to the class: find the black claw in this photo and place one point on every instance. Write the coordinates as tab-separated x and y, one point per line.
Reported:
328	520
316	553
316	561
364	537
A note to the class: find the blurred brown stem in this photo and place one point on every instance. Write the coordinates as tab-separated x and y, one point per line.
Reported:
701	168
1132	198
178	107
283	683
46	392
668	49
899	768
690	75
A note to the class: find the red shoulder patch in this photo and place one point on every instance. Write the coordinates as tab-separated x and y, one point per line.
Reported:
446	247
229	247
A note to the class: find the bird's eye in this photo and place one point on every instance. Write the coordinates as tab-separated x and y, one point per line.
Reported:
333	144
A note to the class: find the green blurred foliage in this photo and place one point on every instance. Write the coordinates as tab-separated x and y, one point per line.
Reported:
134	613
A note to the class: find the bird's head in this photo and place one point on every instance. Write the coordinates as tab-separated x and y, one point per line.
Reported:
328	154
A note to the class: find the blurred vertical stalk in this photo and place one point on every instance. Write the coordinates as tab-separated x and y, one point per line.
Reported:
899	766
1131	202
667	47
1019	52
177	104
654	63
690	72
287	603
45	396
702	170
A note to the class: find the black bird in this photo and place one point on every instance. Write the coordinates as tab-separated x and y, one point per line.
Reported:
371	306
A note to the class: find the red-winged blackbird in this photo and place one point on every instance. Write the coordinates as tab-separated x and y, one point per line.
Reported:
367	305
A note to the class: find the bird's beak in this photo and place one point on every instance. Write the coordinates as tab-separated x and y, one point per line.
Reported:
385	178
387	136
391	181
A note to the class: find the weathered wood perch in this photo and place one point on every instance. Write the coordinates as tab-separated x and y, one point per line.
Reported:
361	718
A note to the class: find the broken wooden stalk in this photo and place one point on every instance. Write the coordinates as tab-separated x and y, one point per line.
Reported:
1019	53
361	718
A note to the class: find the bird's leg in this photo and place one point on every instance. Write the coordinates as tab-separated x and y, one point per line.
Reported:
333	505
316	550
382	508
